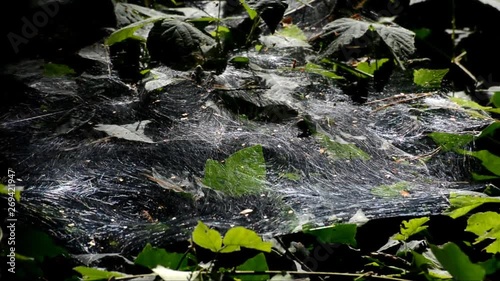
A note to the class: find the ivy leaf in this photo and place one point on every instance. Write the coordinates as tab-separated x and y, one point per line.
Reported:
411	227
257	263
340	233
486	225
93	274
207	238
151	257
457	263
239	236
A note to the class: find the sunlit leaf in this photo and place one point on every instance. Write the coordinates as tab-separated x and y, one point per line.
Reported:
411	227
128	31
239	236
11	191
151	257
449	142
251	12
292	31
461	204
457	263
257	263
207	238
244	172
429	77
489	160
93	274
371	67
339	233
486	225
474	105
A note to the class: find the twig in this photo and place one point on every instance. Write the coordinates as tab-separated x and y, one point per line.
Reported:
401	101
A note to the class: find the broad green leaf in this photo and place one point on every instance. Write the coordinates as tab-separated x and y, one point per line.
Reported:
449	142
244	172
474	105
239	236
489	160
317	69
495	99
251	12
339	150
461	204
57	70
490	130
293	31
430	267
457	263
94	274
429	77
207	238
257	263
129	30
479	177
486	225
393	190
411	227
339	233
151	257
491	266
221	32
371	67
14	192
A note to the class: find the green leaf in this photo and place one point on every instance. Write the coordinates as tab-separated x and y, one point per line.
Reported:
457	263
489	160
495	99
240	60
129	30
293	31
393	190
474	105
239	236
422	33
12	191
317	69
479	177
430	78
207	238
93	274
339	150
257	263
244	172
491	266
36	244
339	233
490	130
449	141
371	67
57	70
461	204
486	225
151	257
251	12
411	227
